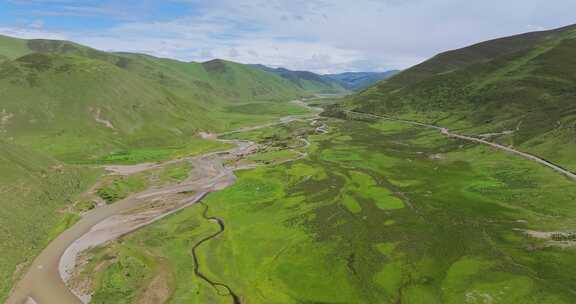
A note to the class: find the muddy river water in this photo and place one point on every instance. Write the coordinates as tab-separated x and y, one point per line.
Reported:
44	282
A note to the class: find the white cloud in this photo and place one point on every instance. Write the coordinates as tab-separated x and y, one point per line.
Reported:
37	24
268	32
32	32
319	35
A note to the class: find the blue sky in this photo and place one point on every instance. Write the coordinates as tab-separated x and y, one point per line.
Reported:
319	35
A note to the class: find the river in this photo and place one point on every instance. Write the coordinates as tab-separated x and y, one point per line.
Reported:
43	283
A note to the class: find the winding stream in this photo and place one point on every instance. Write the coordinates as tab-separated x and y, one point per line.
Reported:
220	222
46	280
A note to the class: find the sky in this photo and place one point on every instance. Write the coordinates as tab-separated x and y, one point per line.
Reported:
324	36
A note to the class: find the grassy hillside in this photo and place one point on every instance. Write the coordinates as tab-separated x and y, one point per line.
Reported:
78	103
75	108
11	48
246	82
477	53
35	192
63	104
522	85
218	79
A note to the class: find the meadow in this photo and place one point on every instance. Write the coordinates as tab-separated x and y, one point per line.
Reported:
51	175
378	212
30	181
114	188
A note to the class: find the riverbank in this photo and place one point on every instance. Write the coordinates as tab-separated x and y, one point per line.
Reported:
45	280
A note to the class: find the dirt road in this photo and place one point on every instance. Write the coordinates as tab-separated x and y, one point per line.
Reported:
448	133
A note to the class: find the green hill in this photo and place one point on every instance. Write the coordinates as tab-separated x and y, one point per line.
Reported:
11	48
244	81
522	84
224	78
35	193
75	107
78	103
63	105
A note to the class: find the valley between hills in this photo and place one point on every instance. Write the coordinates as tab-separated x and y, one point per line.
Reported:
128	178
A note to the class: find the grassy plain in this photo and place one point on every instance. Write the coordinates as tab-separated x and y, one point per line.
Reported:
377	213
194	146
114	188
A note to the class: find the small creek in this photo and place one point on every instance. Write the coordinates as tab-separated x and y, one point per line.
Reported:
197	271
44	281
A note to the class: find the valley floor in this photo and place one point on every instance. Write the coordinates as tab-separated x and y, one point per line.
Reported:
375	213
61	178
356	212
136	195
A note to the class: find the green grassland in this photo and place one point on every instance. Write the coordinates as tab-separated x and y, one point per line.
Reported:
11	48
35	193
143	253
281	135
249	114
66	107
79	104
271	156
103	109
109	110
194	146
377	213
115	188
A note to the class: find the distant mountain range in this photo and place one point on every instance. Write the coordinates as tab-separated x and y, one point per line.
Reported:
356	81
330	83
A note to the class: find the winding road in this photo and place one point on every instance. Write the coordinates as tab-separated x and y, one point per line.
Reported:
47	278
448	133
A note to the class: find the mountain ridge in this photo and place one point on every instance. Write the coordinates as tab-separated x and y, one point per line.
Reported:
357	81
56	89
330	83
307	80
